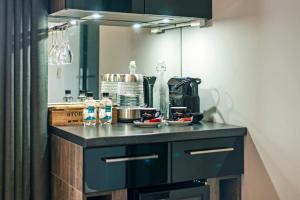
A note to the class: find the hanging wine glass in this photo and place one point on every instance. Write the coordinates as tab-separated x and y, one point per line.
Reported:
52	54
69	57
51	50
62	49
56	60
60	52
65	55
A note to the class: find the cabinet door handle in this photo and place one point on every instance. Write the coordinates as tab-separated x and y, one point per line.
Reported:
126	159
201	152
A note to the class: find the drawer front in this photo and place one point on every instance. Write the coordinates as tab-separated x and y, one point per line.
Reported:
113	168
207	158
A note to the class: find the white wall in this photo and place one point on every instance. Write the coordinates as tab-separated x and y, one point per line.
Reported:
279	94
250	65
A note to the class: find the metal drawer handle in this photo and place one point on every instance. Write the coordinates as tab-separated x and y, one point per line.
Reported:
126	159
210	151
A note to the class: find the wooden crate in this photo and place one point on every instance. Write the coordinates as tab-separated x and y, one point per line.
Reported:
70	114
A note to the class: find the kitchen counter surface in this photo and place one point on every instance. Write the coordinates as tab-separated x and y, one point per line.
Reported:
126	134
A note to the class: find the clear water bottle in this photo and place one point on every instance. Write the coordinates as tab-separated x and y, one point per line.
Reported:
68	97
105	110
89	112
161	91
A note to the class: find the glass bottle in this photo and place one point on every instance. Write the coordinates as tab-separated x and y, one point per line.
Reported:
105	110
89	112
68	97
82	96
161	91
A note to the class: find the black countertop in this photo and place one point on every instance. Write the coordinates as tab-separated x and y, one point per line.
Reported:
126	134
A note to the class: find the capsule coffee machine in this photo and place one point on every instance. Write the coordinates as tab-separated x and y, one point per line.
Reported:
184	93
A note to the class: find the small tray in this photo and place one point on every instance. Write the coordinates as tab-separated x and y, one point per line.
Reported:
146	124
179	123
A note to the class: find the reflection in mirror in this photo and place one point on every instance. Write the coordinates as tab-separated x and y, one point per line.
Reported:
120	45
63	77
99	50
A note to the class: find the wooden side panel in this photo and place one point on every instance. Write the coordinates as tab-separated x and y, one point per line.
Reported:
63	191
119	195
66	169
67	161
214	188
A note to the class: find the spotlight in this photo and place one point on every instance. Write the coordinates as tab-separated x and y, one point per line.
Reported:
96	16
73	22
136	26
166	21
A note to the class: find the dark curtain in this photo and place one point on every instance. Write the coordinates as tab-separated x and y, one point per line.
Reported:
23	100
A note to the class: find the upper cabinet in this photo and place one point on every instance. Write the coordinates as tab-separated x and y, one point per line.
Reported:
126	6
186	8
182	8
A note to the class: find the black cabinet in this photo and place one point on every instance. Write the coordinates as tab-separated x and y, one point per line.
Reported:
127	6
187	8
201	159
112	168
184	8
144	165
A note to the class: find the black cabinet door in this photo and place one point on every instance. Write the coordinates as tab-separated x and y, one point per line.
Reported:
112	168
201	159
127	6
188	8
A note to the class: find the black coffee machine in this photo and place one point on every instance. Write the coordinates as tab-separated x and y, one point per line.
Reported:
184	93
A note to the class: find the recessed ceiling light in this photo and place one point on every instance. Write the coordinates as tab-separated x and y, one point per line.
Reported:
156	30
199	23
73	22
137	26
96	16
166	20
195	23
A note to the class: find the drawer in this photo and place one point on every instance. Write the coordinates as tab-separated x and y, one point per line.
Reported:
201	159
112	168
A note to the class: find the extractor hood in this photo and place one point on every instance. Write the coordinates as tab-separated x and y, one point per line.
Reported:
121	19
139	13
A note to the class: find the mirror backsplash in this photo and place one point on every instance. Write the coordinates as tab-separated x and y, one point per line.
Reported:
110	53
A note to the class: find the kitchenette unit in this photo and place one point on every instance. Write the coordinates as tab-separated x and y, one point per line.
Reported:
121	162
146	138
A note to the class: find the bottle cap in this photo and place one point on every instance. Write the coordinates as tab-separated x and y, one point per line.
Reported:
67	91
161	66
105	94
90	94
132	67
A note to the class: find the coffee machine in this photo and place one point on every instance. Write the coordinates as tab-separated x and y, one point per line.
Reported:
184	93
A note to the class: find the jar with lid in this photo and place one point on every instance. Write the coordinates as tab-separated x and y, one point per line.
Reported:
82	96
68	97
